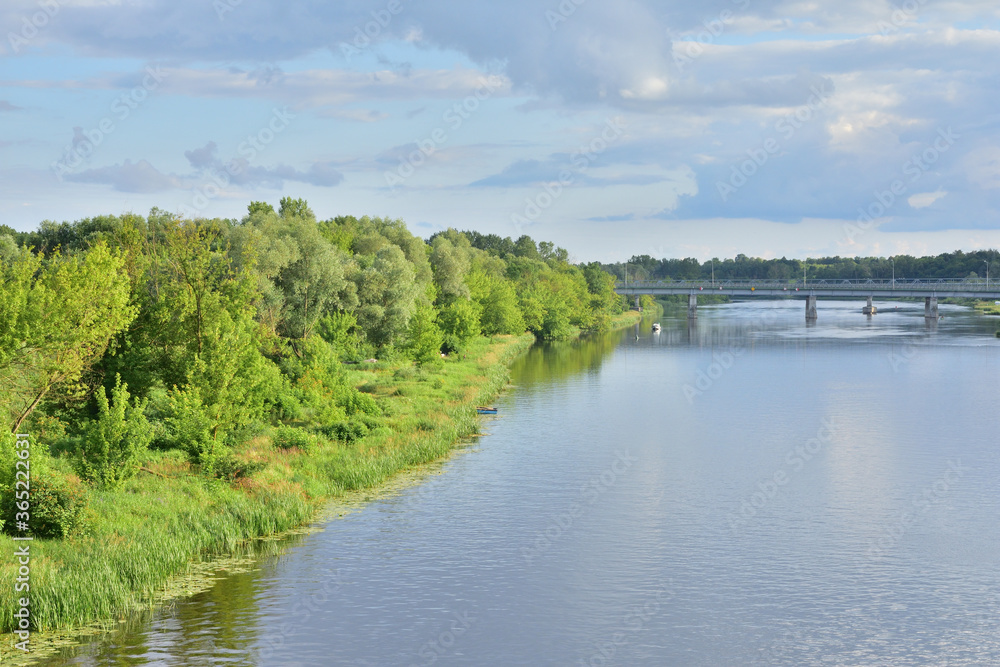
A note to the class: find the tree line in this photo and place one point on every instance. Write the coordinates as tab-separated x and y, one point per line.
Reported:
956	264
122	332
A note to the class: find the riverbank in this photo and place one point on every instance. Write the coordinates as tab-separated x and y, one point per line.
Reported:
163	535
987	307
144	539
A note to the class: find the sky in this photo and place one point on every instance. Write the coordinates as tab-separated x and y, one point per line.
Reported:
798	128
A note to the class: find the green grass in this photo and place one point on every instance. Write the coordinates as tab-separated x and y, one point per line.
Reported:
628	318
144	536
987	307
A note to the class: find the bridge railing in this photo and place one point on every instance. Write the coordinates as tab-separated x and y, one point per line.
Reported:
876	285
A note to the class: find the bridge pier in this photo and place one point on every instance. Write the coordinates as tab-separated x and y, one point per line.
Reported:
811	308
930	307
870	308
692	305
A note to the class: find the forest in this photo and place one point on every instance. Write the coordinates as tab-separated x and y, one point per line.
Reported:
121	334
956	264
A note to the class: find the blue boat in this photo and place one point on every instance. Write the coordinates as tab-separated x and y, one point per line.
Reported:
483	410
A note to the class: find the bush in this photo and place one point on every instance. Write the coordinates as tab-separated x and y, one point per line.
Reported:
348	431
189	427
58	507
288	437
404	373
115	442
356	402
227	467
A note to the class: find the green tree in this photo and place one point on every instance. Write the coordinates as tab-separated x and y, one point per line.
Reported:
296	208
450	259
314	282
497	299
459	321
387	293
60	316
424	338
259	207
525	247
115	442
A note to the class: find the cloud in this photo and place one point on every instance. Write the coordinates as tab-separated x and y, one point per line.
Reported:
139	177
357	115
7	106
330	89
206	159
625	217
143	177
203	157
925	199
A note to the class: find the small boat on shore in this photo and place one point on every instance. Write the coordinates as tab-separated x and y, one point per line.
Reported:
486	410
656	327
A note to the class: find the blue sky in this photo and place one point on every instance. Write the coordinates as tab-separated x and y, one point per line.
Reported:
772	128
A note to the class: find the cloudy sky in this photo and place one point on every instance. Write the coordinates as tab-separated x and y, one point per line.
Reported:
612	127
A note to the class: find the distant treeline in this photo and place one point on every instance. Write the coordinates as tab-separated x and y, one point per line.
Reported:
194	334
956	264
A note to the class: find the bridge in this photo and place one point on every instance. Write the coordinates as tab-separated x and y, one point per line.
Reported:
810	291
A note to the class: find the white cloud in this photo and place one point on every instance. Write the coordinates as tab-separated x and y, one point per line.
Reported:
925	199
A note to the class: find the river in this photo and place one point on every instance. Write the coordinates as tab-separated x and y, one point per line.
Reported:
744	489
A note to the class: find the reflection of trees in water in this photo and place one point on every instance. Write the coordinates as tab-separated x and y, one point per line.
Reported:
556	360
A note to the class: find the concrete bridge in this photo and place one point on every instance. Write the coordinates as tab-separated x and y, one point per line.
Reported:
810	291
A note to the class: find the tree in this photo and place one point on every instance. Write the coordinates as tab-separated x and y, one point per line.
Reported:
259	208
497	299
205	330
450	259
424	338
387	293
314	282
296	208
116	440
525	247
459	321
60	316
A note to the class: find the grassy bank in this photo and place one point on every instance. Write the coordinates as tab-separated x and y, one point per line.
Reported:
987	307
630	317
169	518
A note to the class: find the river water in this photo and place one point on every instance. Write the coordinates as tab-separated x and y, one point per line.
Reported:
743	489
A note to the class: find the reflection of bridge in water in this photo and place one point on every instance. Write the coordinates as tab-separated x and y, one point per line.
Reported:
929	290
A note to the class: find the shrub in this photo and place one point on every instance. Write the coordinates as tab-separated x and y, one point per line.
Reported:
348	431
189	427
58	507
115	442
228	467
404	373
356	402
288	437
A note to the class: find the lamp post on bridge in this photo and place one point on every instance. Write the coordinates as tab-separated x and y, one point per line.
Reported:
893	260
987	274
713	271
